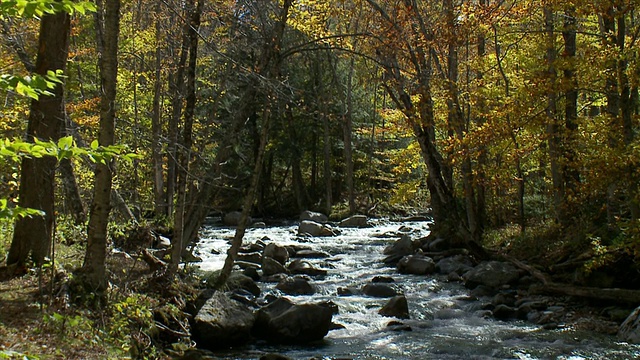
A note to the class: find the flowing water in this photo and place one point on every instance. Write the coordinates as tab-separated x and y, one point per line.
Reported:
444	324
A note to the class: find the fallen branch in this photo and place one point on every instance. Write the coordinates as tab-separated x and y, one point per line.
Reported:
153	262
616	295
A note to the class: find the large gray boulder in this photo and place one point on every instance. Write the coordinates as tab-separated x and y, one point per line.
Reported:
313	228
493	274
630	329
396	307
222	322
417	265
285	322
276	252
354	221
313	216
399	249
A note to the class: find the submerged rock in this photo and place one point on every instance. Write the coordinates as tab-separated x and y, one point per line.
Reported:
381	290
296	285
396	307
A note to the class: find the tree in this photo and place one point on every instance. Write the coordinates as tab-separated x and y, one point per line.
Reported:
108	28
33	235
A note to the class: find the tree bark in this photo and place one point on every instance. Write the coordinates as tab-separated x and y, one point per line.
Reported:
33	235
184	155
270	63
553	127
159	200
94	266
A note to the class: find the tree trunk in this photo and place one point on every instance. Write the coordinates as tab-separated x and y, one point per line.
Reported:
347	129
177	90
160	205
271	66
553	127
94	266
72	199
184	157
33	235
456	122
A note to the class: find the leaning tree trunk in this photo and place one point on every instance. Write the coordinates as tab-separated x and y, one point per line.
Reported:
269	64
94	267
33	235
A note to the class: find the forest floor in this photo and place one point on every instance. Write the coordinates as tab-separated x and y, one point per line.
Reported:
30	330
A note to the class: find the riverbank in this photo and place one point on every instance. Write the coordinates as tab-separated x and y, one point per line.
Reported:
446	319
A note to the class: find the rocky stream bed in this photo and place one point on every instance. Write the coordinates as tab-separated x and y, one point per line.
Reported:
374	289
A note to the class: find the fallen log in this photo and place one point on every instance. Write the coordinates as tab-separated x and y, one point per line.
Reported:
153	262
614	295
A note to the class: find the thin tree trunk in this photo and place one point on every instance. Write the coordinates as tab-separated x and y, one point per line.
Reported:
184	155
514	138
33	235
160	204
553	127
347	128
72	199
270	65
177	87
570	172
94	266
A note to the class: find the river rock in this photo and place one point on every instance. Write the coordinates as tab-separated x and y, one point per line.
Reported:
347	291
222	322
312	254
285	322
396	307
313	216
380	290
272	267
417	265
240	281
276	252
493	274
233	218
504	312
251	257
313	228
398	250
298	266
354	221
274	357
296	285
459	264
257	246
630	329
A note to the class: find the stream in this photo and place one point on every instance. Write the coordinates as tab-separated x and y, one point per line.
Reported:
444	323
